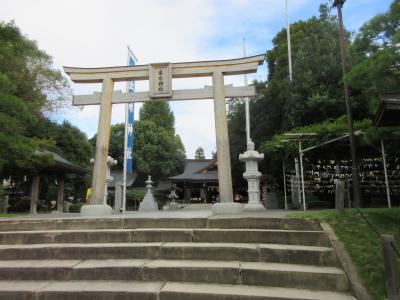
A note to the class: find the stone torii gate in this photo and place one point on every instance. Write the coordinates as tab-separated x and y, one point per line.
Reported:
160	89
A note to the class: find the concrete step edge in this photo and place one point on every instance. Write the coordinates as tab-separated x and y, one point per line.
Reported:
247	292
165	263
169	244
127	221
169	290
112	230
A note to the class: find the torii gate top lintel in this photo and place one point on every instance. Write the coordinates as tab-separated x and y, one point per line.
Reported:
245	65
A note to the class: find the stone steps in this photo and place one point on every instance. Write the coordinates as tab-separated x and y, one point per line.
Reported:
272	253
226	222
225	272
141	258
270	236
132	290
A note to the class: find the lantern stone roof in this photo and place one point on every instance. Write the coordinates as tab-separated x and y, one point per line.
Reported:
117	176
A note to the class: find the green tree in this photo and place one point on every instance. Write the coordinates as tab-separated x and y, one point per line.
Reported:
30	90
158	149
30	87
37	82
73	144
316	92
160	114
375	55
116	146
16	149
199	154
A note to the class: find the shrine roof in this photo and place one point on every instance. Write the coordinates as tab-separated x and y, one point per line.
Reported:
388	113
196	170
61	164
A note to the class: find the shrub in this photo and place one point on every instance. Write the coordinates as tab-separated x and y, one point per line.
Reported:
133	197
76	207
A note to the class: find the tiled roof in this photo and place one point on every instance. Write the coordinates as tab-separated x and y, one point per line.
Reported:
192	172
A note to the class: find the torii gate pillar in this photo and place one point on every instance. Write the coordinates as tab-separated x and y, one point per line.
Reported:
97	205
226	205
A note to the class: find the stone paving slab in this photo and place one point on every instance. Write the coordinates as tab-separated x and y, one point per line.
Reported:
26	264
110	263
156	290
188	291
121	290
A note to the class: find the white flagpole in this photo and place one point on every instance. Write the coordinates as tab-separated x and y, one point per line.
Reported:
288	41
247	109
125	146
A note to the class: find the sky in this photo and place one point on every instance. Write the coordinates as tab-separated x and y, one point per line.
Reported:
95	33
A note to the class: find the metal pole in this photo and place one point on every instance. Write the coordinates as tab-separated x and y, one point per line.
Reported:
302	176
247	108
386	176
288	42
356	183
298	190
284	182
392	277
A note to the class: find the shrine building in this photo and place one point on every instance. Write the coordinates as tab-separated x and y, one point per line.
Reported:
199	181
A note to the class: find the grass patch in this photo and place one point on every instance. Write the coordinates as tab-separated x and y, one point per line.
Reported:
10	215
361	242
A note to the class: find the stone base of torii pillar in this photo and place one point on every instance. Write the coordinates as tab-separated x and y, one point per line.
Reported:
101	209
251	157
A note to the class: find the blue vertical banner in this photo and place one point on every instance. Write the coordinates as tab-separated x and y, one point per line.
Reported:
131	120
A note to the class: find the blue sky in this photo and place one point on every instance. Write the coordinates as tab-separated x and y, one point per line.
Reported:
94	33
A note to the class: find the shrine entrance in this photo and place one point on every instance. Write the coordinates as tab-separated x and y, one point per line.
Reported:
160	89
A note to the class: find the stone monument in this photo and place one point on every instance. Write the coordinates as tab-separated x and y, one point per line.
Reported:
251	157
148	203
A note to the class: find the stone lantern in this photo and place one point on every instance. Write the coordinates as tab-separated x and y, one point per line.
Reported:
148	203
251	157
173	205
110	163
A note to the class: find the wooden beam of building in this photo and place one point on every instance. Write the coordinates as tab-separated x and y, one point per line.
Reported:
238	66
178	95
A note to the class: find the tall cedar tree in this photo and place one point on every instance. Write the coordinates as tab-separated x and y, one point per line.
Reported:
199	154
158	149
